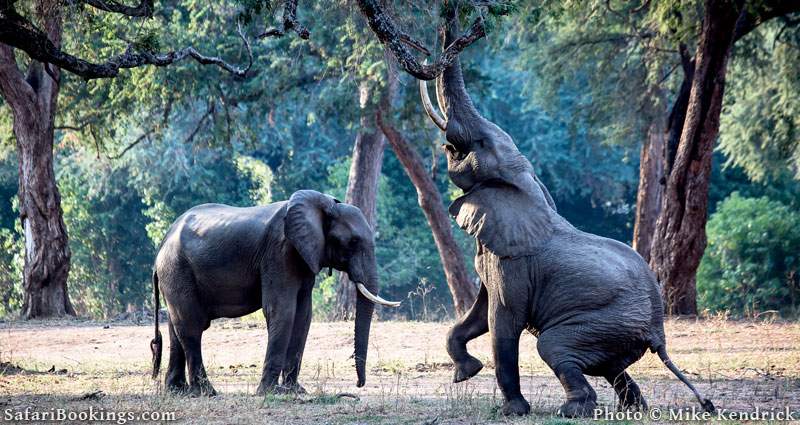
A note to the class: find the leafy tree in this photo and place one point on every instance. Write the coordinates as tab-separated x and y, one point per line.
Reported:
752	263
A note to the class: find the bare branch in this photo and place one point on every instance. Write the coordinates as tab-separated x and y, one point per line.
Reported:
396	41
290	23
209	112
145	135
18	32
144	9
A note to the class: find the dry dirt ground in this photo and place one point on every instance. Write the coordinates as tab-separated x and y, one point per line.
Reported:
81	365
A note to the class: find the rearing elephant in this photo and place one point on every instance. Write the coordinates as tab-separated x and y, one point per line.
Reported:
221	261
592	302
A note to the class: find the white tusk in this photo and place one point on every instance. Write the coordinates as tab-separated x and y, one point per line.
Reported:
440	99
374	298
426	103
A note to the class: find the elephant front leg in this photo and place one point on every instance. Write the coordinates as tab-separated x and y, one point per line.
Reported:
294	355
280	322
472	325
505	332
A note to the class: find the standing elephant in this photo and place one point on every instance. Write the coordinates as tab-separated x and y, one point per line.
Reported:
592	302
221	261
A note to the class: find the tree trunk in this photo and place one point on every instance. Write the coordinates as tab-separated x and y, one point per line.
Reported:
429	199
680	238
648	196
362	191
47	252
33	100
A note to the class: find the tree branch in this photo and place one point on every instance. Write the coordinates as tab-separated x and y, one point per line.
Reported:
145	135
290	23
13	86
144	9
18	32
398	42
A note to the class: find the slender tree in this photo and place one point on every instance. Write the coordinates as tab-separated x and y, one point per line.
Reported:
430	201
362	187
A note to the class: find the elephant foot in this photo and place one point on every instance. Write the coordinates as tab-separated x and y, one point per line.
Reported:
467	369
202	390
294	389
516	406
632	405
577	409
280	389
177	388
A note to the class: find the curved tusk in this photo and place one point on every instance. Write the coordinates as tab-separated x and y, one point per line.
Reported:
374	298
426	103
440	99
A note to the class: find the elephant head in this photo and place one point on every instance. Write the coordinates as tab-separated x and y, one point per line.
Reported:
483	160
328	233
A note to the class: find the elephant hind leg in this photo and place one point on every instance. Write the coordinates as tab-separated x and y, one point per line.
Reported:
190	338
472	325
581	398
630	397
175	380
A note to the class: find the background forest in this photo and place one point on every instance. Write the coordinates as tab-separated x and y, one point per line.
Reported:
579	99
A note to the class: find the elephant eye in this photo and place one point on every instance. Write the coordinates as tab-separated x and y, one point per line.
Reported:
353	242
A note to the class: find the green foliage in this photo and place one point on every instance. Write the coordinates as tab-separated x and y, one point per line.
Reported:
111	253
761	119
11	244
323	297
752	260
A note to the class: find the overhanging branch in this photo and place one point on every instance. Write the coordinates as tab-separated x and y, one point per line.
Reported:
143	10
19	33
398	42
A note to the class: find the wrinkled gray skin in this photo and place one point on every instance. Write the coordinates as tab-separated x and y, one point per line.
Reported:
221	261
592	302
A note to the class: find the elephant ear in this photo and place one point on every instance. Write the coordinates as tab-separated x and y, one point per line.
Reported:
507	221
304	225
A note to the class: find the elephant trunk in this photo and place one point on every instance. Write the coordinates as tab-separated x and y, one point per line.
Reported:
364	310
459	107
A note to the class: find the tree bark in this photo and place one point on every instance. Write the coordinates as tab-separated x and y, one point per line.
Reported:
648	196
680	239
33	101
362	191
429	199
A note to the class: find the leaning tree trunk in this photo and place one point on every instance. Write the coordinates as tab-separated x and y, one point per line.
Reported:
362	191
429	199
33	102
648	196
680	237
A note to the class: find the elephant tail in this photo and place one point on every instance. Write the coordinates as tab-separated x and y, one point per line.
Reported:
155	344
705	403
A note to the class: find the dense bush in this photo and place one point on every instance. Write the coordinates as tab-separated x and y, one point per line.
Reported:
752	260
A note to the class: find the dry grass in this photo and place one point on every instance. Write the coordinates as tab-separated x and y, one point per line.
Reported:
739	365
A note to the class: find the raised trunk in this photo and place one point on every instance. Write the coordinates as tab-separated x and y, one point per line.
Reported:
648	196
362	191
680	239
429	199
33	100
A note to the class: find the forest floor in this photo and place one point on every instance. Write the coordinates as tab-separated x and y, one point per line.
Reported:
105	367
